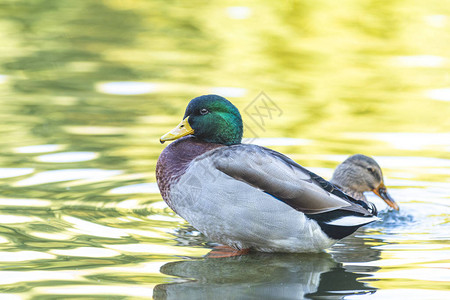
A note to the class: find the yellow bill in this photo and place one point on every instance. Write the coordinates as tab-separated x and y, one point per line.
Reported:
182	129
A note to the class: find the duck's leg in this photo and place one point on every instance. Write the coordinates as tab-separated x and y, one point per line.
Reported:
226	251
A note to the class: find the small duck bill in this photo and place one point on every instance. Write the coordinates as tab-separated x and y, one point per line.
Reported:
381	191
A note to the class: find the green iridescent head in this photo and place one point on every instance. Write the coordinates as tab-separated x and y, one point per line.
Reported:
210	118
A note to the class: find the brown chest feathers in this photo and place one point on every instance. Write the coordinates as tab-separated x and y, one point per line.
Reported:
175	159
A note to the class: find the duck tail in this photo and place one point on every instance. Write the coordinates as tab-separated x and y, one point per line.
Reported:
340	223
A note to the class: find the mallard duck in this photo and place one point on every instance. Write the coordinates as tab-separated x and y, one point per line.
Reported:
246	196
358	174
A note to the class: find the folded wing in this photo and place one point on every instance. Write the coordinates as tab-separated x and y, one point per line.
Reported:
287	181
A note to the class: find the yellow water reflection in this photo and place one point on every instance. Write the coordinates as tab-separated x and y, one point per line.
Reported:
86	252
67	157
87	88
39	148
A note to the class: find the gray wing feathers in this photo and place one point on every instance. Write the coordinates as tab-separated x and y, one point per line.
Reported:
259	168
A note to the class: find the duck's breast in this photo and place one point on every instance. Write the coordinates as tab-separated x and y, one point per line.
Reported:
175	160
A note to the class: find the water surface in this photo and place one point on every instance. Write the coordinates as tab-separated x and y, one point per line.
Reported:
87	88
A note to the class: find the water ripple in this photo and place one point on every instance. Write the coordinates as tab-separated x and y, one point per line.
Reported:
39	148
66	175
86	252
14	172
67	157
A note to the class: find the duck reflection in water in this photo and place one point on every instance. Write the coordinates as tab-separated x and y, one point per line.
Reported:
261	276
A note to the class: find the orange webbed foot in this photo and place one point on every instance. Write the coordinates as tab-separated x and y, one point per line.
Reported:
226	251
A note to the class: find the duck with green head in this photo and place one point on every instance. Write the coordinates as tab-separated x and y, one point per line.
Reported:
246	196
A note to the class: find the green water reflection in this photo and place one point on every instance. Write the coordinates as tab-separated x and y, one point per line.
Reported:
87	88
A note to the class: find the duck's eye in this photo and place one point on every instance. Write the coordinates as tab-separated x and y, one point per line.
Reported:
371	170
204	111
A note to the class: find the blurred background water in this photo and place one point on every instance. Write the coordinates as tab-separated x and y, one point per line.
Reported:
88	87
